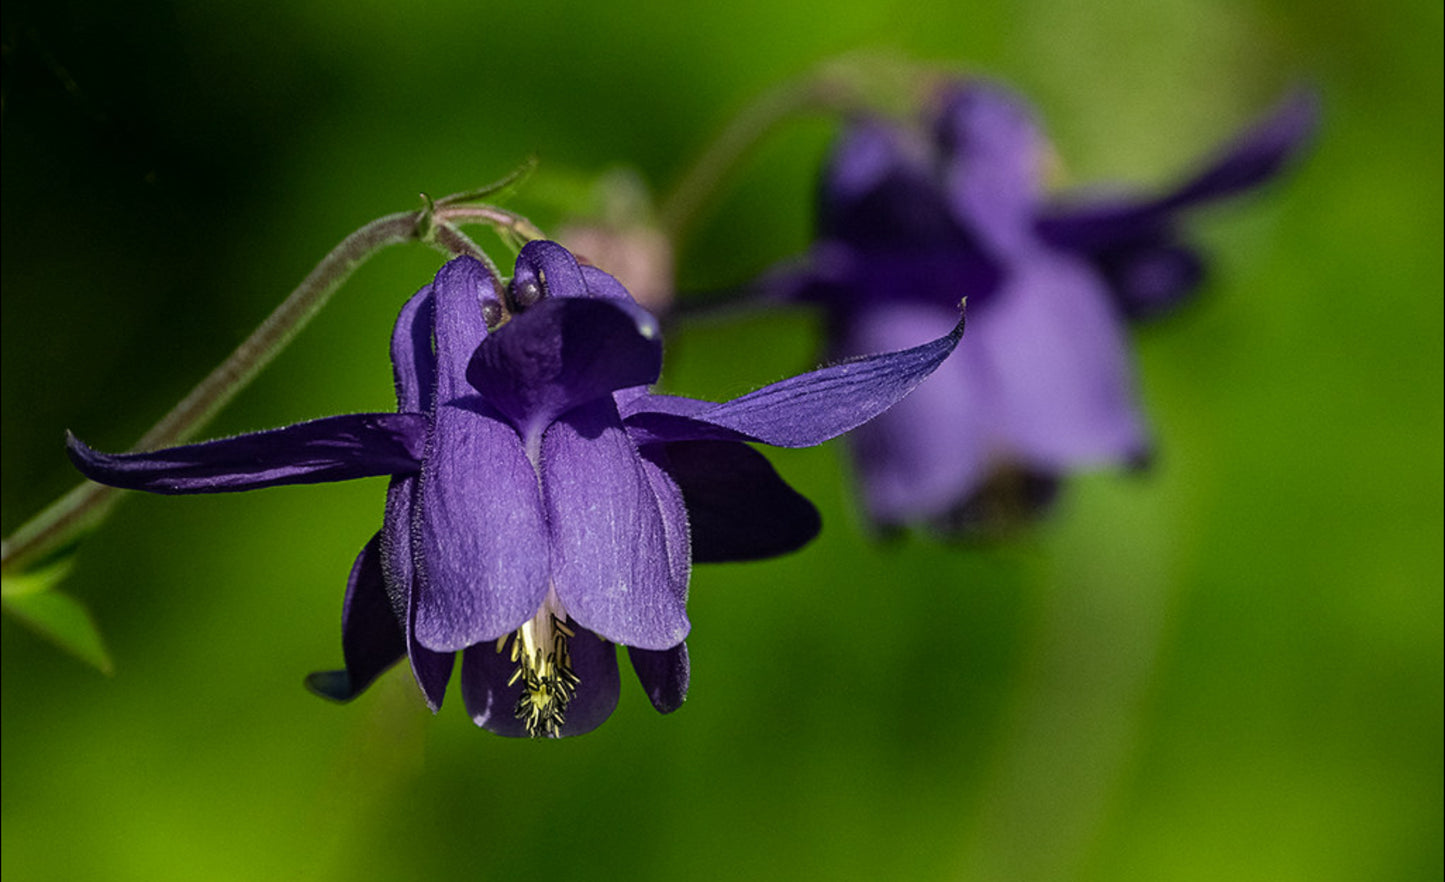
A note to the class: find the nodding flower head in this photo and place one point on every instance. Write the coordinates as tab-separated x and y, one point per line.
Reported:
912	219
544	506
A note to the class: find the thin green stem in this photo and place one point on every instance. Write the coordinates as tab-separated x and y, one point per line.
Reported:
66	518
823	90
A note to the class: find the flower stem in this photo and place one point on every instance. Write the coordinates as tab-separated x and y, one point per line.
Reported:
65	519
834	87
859	83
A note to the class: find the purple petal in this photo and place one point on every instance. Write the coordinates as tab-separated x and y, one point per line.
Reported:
881	193
1256	155
932	448
664	675
479	540
371	638
462	287
414	373
492	704
561	353
1059	363
994	155
737	506
1150	278
481	551
413	364
548	270
1097	224
551	269
603	285
676	530
331	449
431	669
797	412
611	565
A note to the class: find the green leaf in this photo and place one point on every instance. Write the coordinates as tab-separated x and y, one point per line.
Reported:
36	579
32	599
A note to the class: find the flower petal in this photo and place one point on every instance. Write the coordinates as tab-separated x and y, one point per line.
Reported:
1256	155
610	561
371	637
414	368
431	669
594	660
551	269
479	540
481	551
492	703
1101	223
414	374
1062	382
881	189
1149	278
737	506
797	412
676	530
560	353
932	448
994	162
459	326
413	364
664	675
335	448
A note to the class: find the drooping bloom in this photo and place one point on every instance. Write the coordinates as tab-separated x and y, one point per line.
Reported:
544	505
911	220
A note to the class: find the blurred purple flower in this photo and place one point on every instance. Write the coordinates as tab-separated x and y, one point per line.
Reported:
913	220
543	504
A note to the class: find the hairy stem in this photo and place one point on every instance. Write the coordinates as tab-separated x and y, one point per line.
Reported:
65	519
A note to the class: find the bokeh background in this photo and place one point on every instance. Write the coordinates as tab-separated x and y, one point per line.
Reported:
1226	668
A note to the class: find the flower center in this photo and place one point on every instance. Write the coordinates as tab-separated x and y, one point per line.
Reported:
544	667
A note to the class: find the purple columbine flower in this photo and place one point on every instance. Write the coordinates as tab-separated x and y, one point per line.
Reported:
911	220
544	506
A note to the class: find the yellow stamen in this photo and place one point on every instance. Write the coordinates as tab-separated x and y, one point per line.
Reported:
544	666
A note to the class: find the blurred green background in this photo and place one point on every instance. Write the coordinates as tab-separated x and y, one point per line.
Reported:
1228	668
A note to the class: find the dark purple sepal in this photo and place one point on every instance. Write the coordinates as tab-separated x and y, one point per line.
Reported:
1256	155
670	505
414	376
560	353
1148	279
371	635
492	703
594	660
431	669
881	188
335	448
738	507
1133	241
664	675
800	411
